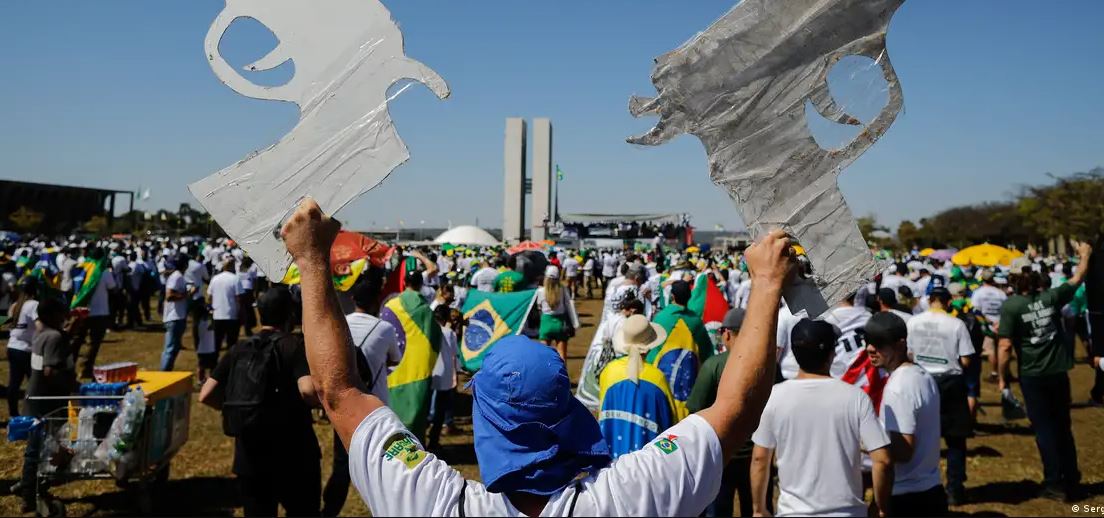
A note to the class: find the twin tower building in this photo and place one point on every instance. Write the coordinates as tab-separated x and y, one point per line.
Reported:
542	185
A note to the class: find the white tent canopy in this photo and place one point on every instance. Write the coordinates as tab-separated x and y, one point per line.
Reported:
467	235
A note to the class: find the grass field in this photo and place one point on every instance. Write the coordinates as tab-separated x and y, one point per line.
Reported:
1003	464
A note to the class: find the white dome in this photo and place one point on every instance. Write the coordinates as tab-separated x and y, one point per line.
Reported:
467	235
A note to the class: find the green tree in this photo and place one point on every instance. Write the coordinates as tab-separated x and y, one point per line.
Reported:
908	235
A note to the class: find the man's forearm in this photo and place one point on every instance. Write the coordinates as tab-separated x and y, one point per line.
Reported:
883	485
329	347
1004	348
760	472
749	372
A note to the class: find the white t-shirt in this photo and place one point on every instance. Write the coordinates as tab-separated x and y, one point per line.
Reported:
571	267
910	406
23	332
98	305
850	321
588	268
936	340
445	368
547	308
197	276
247	278
786	360
609	266
223	291
379	343
483	280
818	429
175	309
65	265
988	300
396	477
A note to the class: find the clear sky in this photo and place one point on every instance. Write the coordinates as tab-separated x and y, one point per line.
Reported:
118	94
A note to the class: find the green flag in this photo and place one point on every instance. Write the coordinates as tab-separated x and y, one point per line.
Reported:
559	173
491	317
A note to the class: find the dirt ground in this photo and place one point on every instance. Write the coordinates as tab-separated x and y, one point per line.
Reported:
1003	466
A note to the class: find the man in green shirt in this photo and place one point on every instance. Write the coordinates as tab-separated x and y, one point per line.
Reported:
1030	322
736	478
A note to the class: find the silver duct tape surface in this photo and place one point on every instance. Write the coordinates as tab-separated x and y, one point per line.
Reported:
347	53
741	87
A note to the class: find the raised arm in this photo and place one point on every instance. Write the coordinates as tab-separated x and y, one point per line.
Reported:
308	235
1084	252
749	372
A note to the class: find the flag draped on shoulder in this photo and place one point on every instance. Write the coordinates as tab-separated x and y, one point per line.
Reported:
633	413
680	356
420	339
864	375
85	281
491	317
707	300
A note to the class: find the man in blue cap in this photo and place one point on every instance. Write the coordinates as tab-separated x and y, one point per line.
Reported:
540	452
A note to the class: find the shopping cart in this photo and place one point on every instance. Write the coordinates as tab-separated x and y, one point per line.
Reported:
137	459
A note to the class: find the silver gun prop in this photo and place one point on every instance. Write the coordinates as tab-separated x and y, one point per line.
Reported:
741	87
347	53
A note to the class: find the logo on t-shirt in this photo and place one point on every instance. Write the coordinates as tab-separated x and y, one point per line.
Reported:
405	449
667	444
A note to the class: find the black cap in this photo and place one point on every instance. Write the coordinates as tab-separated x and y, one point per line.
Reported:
733	319
814	334
886	328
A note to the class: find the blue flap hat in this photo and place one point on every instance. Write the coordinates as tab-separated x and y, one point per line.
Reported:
531	434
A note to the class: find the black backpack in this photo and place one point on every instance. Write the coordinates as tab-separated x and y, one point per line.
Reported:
251	385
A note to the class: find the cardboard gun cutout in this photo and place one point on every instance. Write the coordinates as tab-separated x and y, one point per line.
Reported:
347	54
742	86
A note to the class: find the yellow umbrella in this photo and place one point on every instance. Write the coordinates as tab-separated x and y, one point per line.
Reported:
926	252
692	250
985	255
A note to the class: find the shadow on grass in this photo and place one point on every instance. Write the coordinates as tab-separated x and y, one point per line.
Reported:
1005	492
1004	429
206	496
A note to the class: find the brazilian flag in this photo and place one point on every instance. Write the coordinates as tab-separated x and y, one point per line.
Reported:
491	317
86	280
420	340
680	356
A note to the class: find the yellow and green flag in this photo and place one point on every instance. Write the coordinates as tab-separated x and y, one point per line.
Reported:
86	281
420	340
492	317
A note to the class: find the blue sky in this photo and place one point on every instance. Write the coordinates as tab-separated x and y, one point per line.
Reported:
118	94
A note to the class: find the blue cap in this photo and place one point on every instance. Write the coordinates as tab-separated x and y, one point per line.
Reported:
531	434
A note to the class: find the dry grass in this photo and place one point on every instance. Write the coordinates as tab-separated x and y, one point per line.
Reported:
1003	466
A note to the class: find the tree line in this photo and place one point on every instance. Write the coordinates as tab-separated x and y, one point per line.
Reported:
1070	207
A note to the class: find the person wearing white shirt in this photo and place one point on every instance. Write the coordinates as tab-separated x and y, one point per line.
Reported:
941	345
887	300
910	414
376	346
816	427
787	364
247	284
988	299
22	315
588	275
571	273
609	270
849	319
99	315
136	274
223	292
539	451
65	264
175	314
483	280
443	380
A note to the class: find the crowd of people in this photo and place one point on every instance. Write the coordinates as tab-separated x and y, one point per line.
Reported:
700	380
